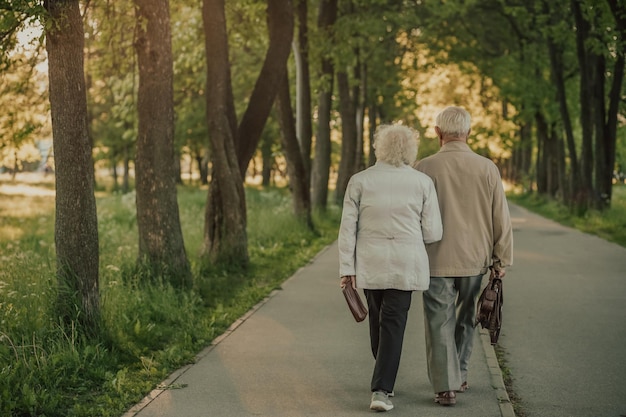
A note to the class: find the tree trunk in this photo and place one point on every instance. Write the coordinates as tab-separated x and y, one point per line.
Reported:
304	126
280	26
522	154
178	176
114	175
126	173
225	235
526	147
203	166
610	129
561	169
604	173
600	196
161	246
348	136
554	162
373	124
76	223
295	164
359	95
557	71
542	154
584	190
321	163
267	159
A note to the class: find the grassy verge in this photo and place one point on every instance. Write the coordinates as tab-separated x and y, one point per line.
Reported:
507	377
149	329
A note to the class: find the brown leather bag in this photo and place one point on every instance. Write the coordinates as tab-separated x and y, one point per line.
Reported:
355	304
489	307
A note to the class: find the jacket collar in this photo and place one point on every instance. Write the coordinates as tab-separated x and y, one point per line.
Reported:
381	164
455	146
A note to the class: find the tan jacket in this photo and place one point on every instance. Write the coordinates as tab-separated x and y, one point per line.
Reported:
388	214
477	228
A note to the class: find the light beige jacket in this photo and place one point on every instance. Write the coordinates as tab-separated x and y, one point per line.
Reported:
388	214
477	228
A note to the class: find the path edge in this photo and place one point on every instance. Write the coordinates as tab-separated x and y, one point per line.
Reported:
495	374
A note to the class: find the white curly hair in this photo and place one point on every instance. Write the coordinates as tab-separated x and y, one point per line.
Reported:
396	144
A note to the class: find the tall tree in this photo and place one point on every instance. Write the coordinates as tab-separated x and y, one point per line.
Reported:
280	24
557	71
320	172
304	126
349	139
232	146
296	169
607	140
600	36
161	245
225	234
76	223
586	59
349	102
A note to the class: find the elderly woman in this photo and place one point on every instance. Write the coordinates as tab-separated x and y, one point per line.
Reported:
390	212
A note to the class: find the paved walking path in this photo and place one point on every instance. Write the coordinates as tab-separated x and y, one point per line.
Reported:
300	353
564	329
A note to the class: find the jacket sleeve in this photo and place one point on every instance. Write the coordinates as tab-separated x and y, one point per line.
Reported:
348	230
432	227
502	228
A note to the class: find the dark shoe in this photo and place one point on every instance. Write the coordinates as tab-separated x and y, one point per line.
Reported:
446	398
464	387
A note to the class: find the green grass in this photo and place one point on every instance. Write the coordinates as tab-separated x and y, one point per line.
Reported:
150	329
609	224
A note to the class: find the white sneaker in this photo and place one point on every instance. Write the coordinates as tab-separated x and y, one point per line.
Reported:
380	401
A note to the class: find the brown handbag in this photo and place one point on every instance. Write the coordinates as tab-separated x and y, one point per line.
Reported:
489	307
354	303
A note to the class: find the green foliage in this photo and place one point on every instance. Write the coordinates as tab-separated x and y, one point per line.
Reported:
15	15
112	80
23	119
148	330
609	224
189	79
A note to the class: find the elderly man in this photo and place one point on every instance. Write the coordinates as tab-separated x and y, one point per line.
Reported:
477	234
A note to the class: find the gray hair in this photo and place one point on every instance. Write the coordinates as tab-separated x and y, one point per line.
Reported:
454	121
396	144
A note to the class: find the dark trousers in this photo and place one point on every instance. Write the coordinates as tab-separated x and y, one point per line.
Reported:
388	312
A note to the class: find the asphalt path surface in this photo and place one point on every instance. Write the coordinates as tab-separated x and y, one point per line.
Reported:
300	353
564	320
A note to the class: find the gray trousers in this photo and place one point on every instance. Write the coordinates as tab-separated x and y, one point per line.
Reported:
388	312
449	315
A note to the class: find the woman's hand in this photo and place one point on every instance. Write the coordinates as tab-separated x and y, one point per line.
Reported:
348	280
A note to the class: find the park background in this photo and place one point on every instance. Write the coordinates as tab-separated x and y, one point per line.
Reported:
165	166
